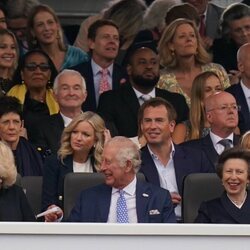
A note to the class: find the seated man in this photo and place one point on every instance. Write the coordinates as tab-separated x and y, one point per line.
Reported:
163	163
121	106
122	199
222	114
28	160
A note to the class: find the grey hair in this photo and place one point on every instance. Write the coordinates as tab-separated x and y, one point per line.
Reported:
68	72
19	8
127	151
156	12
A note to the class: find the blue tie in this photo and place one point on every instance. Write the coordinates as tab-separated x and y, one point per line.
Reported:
121	209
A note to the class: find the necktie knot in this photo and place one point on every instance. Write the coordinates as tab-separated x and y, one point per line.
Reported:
121	208
226	143
145	98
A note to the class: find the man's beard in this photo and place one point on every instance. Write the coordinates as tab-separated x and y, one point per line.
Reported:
145	82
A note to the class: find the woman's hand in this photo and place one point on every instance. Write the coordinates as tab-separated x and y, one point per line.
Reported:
54	216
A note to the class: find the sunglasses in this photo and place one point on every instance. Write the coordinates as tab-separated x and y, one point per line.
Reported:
33	66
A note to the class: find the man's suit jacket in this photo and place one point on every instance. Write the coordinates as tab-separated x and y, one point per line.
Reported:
186	161
244	114
207	146
223	211
48	133
93	204
53	179
119	77
121	107
213	20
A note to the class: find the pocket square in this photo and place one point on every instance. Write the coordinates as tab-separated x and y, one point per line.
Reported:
154	212
145	195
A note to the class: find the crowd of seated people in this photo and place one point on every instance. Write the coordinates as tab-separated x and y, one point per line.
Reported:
165	95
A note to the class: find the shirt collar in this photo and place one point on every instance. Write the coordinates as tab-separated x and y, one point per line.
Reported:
245	89
139	94
66	120
215	138
154	156
129	189
96	68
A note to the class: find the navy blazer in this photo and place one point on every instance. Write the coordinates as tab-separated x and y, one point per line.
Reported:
207	146
53	179
85	69
244	114
93	204
121	108
47	133
222	210
186	161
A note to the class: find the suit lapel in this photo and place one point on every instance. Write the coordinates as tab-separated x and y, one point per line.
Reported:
208	147
104	202
142	199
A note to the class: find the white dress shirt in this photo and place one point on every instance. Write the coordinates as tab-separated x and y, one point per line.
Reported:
66	120
167	175
130	196
246	92
85	167
139	95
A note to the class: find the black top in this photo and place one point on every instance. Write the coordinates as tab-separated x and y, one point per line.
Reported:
14	205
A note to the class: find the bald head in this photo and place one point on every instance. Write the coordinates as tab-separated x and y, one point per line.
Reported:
222	113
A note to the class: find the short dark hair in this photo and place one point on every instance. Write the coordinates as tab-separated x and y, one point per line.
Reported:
92	31
231	13
233	153
10	104
155	102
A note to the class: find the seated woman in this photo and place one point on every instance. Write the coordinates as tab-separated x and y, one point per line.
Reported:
197	126
184	57
35	92
234	204
80	151
44	31
13	202
28	160
8	59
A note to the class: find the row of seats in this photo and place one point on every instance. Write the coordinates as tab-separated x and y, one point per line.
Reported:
196	188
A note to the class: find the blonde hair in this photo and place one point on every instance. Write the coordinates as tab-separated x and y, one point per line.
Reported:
8	171
98	125
6	32
197	109
30	25
167	57
245	140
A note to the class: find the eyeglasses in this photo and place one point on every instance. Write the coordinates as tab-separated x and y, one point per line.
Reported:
225	108
33	66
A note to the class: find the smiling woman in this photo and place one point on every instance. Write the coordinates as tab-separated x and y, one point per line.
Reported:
45	32
233	206
8	58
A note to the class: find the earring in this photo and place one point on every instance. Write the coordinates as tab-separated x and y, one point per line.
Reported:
22	81
172	53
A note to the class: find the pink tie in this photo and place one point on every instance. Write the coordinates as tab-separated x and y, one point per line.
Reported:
104	84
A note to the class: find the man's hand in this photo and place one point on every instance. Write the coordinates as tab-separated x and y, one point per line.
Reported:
54	216
176	198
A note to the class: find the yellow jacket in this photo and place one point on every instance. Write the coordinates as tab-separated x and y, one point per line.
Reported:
19	91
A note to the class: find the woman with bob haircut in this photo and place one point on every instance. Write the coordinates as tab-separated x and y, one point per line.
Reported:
13	202
183	57
44	31
233	206
81	148
197	126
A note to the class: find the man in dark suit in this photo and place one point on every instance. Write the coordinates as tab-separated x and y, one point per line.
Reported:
103	39
209	20
163	163
222	114
121	106
122	199
70	92
241	91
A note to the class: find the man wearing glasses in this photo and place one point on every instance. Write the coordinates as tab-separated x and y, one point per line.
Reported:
222	114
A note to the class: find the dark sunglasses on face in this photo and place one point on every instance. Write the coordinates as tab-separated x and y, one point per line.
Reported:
33	66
